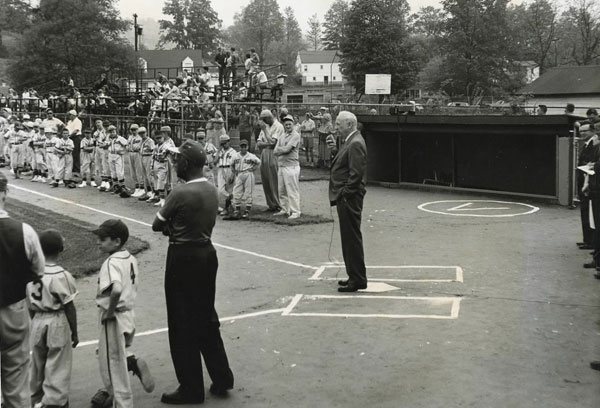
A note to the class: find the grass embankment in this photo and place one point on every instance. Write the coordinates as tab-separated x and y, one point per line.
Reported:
81	256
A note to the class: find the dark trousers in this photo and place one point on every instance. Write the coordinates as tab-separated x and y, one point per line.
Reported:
349	212
193	322
76	154
221	75
584	206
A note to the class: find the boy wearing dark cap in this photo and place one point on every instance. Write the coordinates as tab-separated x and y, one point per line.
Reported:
243	165
53	327
117	289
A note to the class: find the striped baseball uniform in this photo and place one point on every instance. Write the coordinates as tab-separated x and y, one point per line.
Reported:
87	156
146	148
116	149
63	148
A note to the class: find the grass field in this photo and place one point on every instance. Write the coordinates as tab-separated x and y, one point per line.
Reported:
81	256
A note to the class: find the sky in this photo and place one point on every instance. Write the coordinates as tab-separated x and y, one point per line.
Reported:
303	9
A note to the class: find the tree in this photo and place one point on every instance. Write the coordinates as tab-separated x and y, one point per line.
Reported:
286	50
14	17
580	30
262	25
429	21
534	29
314	32
475	43
194	25
376	43
83	42
334	26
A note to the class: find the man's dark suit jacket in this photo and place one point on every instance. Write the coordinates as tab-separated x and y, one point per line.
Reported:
349	169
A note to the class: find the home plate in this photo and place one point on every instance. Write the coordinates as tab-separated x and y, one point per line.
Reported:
378	287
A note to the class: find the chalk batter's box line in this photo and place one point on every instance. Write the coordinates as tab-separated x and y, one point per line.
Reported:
453	312
458	269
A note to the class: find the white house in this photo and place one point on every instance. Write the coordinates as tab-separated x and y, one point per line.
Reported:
579	85
319	68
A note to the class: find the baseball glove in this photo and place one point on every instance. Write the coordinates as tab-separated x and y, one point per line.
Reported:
102	399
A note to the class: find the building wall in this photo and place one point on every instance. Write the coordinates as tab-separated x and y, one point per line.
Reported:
556	104
314	74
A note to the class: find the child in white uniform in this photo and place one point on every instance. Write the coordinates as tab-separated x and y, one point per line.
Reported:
53	328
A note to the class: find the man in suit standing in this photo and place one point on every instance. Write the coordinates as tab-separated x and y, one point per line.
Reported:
347	191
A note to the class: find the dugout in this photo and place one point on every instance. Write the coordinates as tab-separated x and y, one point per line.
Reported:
532	156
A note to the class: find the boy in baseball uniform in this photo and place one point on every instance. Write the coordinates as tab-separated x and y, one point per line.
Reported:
64	168
87	155
243	165
133	149
145	164
101	157
116	150
51	157
117	289
53	328
40	168
211	152
161	164
225	177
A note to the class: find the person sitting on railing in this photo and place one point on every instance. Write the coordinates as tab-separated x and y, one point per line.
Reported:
262	82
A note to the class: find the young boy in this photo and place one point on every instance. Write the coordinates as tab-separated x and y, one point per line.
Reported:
161	165
116	150
87	155
225	176
117	288
243	165
53	328
51	157
40	168
145	162
64	151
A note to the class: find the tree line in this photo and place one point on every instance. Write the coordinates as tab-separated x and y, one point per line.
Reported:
464	48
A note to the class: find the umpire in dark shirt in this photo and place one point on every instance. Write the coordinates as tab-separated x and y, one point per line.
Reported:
188	218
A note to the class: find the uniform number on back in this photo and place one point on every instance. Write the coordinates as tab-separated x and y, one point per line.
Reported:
36	293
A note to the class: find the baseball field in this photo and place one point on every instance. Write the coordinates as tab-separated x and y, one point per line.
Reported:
472	302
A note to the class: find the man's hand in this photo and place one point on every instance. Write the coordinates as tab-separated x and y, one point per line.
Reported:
330	140
108	316
262	124
74	340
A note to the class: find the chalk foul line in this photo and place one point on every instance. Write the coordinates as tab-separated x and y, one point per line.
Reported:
230	248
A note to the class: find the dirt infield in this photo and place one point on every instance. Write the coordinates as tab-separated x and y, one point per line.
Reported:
483	312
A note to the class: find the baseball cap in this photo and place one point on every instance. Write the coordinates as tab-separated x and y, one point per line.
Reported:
113	229
243	142
134	126
192	151
200	133
51	241
165	129
224	138
265	113
26	117
142	130
9	110
87	131
217	120
111	127
72	112
49	111
288	117
3	182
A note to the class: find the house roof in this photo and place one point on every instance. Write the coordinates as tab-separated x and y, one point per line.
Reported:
566	81
170	58
319	57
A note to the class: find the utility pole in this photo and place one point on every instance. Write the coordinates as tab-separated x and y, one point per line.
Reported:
136	32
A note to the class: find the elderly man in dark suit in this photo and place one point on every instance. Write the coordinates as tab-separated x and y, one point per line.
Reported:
346	192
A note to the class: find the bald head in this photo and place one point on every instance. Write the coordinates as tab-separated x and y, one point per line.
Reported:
345	123
266	114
